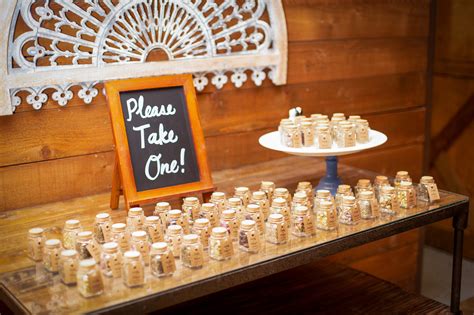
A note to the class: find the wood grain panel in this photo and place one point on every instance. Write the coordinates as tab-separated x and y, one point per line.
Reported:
321	19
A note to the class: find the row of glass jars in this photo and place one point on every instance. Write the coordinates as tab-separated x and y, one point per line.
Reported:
317	130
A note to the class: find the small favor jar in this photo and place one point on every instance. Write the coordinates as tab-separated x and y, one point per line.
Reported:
202	228
36	244
323	137
51	251
133	272
280	206
162	263
302	225
346	136
175	217
307	132
401	176
236	204
321	195
326	216
379	182
260	198
220	244
68	266
406	195
121	236
293	136
140	243
368	206
210	212
135	219
388	200
282	192
299	199
268	188
89	280
191	252
363	185
230	223
161	209
427	189
154	229
111	260
174	235
281	129
249	237
277	229
254	212
71	228
342	190
362	131
102	228
307	188
218	198
244	194
86	246
349	213
191	208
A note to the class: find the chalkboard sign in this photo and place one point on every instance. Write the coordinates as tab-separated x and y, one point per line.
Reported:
159	141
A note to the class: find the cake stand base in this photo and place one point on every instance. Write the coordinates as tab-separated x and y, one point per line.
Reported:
330	181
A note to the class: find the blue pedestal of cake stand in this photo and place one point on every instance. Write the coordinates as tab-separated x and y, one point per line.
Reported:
331	180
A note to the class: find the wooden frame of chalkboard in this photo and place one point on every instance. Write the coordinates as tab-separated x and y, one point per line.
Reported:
160	148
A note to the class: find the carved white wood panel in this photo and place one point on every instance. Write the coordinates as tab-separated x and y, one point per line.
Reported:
82	43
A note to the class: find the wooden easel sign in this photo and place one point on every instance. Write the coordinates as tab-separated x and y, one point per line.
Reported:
160	150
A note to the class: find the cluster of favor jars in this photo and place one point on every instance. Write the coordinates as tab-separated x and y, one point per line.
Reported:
219	228
318	131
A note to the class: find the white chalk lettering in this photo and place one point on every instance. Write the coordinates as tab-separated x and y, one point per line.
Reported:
147	111
158	138
160	168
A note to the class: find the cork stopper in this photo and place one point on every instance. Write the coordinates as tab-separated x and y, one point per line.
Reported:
353	117
364	183
275	218
72	224
191	200
175	213
304	185
53	243
301	210
208	207
388	189
132	255
219	232
345	125
36	231
402	174
280	192
247	225
253	208
234	202
218	195
348	200
162	206
110	247
190	239
325	205
427	180
139	235
228	214
259	195
84	235
102	217
160	247
366	195
315	116
381	180
323	193
278	202
135	211
68	253
337	119
119	227
322	128
87	264
267	185
201	223
363	122
241	190
174	229
340	115
405	184
306	124
342	189
153	219
324	117
300	196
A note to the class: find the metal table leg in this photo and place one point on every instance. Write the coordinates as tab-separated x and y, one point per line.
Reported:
459	224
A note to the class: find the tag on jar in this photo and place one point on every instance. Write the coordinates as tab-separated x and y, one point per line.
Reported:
227	249
308	222
94	250
282	232
433	192
95	282
115	266
331	217
196	257
253	240
168	263
324	141
107	230
355	214
349	139
154	234
375	207
135	273
69	270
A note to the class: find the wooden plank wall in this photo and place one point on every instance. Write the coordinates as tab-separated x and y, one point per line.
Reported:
366	57
453	85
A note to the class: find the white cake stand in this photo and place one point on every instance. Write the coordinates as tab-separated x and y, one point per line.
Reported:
331	180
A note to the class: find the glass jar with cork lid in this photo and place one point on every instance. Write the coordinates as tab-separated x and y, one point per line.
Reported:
427	190
162	263
342	190
282	192
350	213
140	243
219	199
244	194
302	223
209	211
135	219
279	206
260	198
191	252
406	195
276	229
379	182
68	266
388	200
268	188
51	251
71	228
161	209
249	237
368	205
326	215
230	222
220	244
154	229
89	280
174	238
86	246
254	212
121	236
102	228
111	260
202	228
133	272
36	241
191	208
